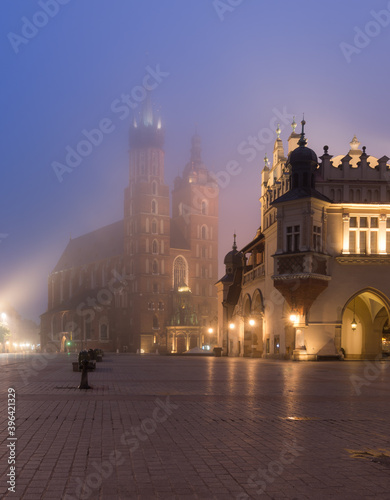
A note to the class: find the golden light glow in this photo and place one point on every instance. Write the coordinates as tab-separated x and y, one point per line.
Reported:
294	318
252	322
210	330
353	324
232	326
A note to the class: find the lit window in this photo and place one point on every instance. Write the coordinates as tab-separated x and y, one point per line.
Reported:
363	222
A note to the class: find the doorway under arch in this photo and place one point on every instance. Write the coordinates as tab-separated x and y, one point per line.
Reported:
365	330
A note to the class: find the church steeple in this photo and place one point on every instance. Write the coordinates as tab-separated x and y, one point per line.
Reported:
196	150
147	130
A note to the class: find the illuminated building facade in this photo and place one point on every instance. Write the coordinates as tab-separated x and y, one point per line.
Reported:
313	283
147	281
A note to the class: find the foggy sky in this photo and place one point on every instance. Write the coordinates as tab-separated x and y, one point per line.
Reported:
230	69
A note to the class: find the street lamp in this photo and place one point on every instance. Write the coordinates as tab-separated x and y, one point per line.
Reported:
353	324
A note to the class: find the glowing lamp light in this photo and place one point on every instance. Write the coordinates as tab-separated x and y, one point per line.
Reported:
294	318
232	326
354	324
3	316
252	322
210	330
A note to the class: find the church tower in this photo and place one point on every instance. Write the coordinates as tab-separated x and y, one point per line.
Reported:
195	226
147	231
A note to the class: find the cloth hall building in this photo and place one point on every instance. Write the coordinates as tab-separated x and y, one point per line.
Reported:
147	281
314	282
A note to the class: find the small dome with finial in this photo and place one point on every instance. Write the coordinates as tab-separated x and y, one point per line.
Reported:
303	154
233	259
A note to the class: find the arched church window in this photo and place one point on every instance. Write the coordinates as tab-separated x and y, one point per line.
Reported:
154	226
204	207
203	232
180	272
154	246
154	207
155	267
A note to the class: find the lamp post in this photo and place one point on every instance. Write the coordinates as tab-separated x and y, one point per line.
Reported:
231	327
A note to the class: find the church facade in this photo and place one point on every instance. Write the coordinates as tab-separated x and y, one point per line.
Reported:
144	283
313	283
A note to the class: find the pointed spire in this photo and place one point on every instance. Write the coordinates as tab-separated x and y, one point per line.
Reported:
278	131
147	111
196	149
302	141
234	241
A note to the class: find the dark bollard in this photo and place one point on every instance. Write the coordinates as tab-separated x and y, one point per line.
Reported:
84	375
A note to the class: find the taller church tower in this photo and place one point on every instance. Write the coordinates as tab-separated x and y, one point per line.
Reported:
147	231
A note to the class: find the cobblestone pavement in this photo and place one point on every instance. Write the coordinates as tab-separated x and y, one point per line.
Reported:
196	428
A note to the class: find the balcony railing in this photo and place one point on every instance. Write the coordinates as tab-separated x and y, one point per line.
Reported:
257	272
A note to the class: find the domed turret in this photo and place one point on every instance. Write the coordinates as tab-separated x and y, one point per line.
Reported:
233	259
304	162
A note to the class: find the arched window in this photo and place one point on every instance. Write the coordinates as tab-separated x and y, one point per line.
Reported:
156	325
103	331
155	267
180	272
154	246
154	207
154	226
204	207
154	186
203	233
147	225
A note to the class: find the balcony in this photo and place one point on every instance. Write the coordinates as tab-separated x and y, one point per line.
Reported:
255	273
303	264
